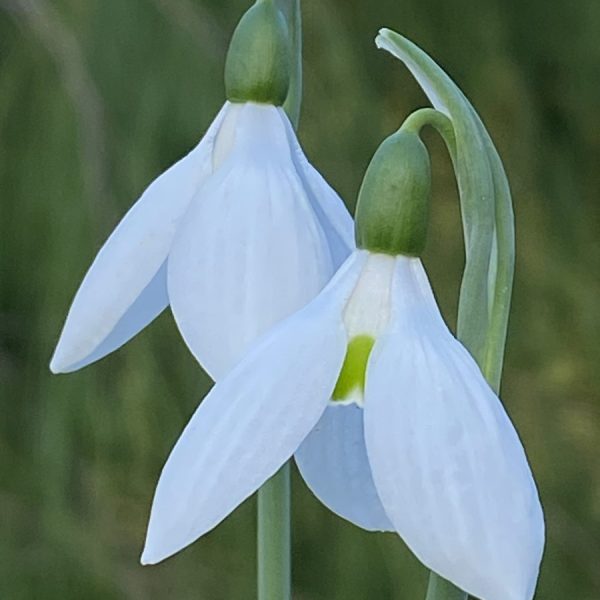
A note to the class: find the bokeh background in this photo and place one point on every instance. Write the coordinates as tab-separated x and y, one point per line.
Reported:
99	96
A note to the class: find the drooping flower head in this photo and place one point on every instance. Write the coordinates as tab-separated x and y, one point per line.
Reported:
391	421
234	237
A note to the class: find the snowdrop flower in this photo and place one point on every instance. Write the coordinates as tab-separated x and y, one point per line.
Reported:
391	422
234	237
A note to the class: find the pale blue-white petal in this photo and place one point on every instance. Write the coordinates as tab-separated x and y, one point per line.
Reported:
333	462
328	206
251	422
125	288
250	250
447	462
148	305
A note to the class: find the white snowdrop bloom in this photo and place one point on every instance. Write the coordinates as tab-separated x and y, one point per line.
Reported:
235	236
391	421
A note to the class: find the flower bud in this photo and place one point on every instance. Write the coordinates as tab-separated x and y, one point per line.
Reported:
393	203
257	68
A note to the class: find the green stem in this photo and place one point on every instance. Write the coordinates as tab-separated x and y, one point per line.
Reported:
441	589
273	528
274	536
436	119
291	10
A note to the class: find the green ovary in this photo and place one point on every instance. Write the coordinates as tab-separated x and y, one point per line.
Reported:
354	369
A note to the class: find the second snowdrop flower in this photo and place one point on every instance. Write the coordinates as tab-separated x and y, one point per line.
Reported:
235	236
392	423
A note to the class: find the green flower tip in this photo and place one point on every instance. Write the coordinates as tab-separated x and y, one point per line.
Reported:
392	212
354	369
257	68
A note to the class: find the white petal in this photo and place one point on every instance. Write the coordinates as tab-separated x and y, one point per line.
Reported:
251	422
250	250
368	310
124	289
333	462
329	207
148	305
446	460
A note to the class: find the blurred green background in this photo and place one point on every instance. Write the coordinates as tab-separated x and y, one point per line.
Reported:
99	96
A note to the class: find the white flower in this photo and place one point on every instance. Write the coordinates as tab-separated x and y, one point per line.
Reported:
235	236
415	441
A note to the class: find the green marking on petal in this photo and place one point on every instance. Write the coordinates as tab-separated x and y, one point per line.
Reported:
354	369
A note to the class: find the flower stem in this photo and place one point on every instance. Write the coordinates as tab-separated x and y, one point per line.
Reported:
441	589
273	528
274	556
436	119
292	13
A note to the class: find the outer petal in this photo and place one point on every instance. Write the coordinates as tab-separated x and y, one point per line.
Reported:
250	250
251	422
148	305
333	462
447	462
328	206
125	288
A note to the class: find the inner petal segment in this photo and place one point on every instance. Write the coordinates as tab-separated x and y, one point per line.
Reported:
350	385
